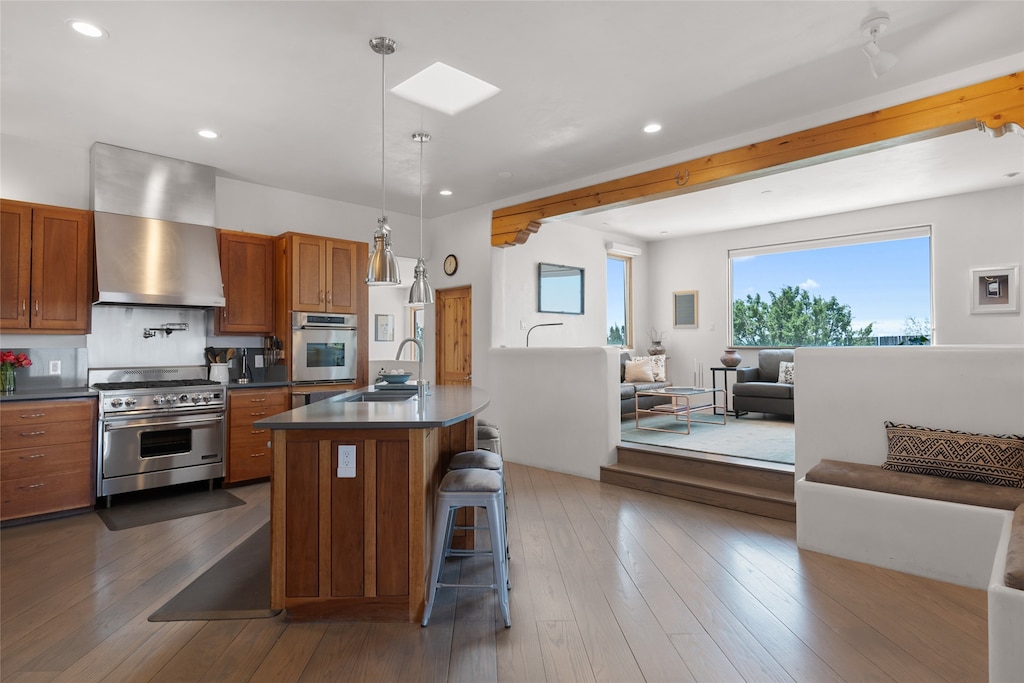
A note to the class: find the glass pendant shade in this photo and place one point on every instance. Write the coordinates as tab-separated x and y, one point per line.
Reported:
382	268
420	293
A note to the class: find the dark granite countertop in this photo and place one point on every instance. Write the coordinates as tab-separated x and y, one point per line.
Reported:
49	393
443	406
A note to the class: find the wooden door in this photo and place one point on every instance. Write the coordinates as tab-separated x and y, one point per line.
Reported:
61	269
454	324
15	264
247	267
308	273
341	276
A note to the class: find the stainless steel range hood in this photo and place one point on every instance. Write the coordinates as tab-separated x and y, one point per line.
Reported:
155	240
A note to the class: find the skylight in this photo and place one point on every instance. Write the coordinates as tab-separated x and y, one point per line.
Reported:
445	89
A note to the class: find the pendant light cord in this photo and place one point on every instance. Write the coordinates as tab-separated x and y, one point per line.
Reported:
422	142
383	91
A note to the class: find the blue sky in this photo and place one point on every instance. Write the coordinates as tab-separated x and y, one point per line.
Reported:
882	282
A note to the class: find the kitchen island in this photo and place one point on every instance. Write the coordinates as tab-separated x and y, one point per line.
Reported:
353	484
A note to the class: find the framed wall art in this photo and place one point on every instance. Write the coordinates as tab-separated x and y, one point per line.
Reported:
385	327
684	309
995	290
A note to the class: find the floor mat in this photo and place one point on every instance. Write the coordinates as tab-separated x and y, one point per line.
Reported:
751	436
237	587
159	505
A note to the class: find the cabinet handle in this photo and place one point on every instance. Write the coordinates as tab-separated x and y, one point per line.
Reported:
24	305
27	416
34	456
321	296
37	306
39	433
257	400
330	296
224	314
256	455
32	486
258	431
258	413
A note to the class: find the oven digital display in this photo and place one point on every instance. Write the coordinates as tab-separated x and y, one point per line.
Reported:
165	442
320	355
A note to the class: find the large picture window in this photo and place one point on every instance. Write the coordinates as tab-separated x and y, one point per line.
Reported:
620	332
864	290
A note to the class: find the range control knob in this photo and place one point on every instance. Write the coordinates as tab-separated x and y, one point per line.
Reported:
116	403
183	398
159	400
129	401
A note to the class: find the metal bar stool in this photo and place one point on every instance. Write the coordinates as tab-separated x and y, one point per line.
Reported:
484	460
469	488
488	436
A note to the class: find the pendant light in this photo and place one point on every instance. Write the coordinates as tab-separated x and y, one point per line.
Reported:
420	294
383	266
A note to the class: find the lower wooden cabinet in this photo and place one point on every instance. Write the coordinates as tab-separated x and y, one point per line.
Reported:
249	448
47	462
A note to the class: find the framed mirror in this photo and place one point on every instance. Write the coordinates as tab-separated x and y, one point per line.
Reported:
559	289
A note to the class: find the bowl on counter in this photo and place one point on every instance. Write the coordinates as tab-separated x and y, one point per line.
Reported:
400	378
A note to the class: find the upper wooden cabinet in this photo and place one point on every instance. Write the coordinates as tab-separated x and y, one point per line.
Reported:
45	268
247	267
324	273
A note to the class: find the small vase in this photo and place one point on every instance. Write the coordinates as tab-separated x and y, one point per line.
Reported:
7	380
731	358
656	349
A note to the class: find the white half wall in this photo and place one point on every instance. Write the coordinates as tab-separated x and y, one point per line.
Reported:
558	409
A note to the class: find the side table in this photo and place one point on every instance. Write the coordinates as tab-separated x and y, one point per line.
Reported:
725	385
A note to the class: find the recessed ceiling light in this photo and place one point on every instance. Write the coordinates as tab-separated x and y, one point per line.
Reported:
208	134
445	193
445	89
86	29
652	127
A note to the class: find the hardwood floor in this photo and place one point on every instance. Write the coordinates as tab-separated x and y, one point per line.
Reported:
609	584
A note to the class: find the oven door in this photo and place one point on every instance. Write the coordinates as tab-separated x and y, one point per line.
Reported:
323	355
138	445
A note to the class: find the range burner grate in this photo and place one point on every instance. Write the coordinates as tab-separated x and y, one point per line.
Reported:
154	384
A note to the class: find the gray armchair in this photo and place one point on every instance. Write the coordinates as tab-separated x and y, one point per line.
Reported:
757	389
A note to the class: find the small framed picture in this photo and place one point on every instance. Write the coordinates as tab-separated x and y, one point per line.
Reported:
684	309
995	290
385	327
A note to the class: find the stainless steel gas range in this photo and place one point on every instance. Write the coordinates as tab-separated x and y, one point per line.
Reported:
157	427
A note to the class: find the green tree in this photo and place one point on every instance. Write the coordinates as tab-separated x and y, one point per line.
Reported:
917	332
794	318
617	335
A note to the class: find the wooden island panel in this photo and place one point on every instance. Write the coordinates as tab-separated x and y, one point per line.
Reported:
356	548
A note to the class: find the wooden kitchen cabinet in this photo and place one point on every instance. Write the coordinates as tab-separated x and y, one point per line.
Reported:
324	274
247	268
249	448
47	461
45	268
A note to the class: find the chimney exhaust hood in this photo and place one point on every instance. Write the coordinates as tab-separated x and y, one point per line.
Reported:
155	240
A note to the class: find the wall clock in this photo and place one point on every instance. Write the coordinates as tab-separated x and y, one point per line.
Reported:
451	264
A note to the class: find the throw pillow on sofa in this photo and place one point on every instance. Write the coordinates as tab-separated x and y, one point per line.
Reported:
786	372
639	371
657	367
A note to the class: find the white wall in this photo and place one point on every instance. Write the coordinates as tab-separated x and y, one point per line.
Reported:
968	231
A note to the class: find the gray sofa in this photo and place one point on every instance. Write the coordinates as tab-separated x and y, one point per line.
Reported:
627	390
757	389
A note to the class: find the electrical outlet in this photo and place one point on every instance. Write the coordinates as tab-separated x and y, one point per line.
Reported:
258	360
346	462
54	367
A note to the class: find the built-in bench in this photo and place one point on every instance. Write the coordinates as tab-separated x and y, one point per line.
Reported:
950	530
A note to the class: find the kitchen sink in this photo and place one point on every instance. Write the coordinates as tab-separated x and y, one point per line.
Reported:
382	397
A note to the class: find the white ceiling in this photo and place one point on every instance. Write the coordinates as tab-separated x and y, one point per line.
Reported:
294	89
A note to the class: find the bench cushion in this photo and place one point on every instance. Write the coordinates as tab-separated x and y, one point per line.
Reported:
874	478
1014	577
987	458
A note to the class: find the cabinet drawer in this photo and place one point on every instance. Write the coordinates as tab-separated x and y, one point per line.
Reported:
246	415
250	455
17	463
46	434
240	434
36	412
40	495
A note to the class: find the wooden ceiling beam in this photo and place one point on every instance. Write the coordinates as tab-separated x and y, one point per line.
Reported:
994	103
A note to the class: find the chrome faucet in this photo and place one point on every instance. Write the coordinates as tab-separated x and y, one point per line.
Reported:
420	382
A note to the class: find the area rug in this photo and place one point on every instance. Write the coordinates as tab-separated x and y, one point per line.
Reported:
751	436
159	505
237	587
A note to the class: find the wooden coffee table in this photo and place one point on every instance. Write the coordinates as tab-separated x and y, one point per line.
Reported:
685	403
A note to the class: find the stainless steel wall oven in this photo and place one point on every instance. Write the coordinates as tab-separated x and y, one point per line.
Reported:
323	347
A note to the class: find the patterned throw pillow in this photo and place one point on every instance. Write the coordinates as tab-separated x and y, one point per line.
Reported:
988	458
786	374
639	371
657	366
